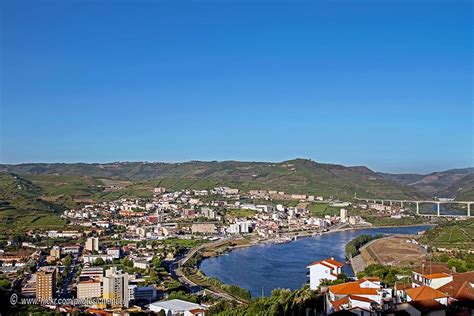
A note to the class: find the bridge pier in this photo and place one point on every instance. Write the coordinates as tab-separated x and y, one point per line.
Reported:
417	208
468	209
401	204
390	203
438	208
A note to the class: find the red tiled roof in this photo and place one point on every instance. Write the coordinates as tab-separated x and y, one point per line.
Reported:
351	288
360	298
424	293
402	286
197	310
337	304
437	275
452	288
431	268
427	305
334	262
466	292
330	263
370	279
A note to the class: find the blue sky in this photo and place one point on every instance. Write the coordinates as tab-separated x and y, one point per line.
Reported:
387	84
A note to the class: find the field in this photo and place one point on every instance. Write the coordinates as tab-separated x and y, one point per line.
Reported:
394	251
240	213
322	209
14	222
456	234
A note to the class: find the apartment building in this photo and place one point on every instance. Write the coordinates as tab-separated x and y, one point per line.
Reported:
45	284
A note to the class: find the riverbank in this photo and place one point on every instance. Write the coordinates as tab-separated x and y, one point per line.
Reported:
284	265
294	236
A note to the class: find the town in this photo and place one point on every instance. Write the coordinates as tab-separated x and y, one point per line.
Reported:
130	255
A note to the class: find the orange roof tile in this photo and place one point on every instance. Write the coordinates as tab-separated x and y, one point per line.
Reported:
334	262
437	275
402	286
466	292
436	267
197	311
337	304
330	263
424	293
453	287
427	305
360	298
371	279
351	288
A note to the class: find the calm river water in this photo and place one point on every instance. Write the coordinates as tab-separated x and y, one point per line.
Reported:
267	267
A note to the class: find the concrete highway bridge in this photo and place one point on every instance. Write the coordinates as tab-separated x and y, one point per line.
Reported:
418	202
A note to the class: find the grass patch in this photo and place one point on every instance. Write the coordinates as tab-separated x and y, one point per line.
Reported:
322	209
240	213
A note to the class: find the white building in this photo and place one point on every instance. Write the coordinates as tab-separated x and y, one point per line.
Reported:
327	269
366	294
115	286
239	227
343	216
89	288
114	252
178	308
92	244
141	264
424	292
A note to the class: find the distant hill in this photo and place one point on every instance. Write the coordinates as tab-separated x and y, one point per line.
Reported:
454	183
293	176
22	207
19	193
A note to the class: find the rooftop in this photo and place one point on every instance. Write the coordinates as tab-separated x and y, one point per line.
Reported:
424	293
437	275
352	288
177	305
329	262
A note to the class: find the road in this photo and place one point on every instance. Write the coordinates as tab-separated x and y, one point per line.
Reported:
176	271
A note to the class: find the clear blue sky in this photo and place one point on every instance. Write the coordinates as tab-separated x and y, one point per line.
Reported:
387	84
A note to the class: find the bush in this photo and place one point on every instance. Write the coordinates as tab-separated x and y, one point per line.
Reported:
353	246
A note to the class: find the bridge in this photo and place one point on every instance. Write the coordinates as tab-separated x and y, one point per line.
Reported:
418	202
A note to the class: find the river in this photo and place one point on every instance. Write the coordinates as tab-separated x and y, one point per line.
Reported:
266	267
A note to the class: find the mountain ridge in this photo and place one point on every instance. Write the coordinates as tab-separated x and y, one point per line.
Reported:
294	176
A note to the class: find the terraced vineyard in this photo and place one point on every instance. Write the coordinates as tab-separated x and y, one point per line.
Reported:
456	234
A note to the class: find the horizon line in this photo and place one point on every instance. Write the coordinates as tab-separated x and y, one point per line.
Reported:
228	160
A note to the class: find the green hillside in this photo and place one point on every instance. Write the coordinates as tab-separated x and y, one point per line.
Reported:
293	176
22	208
454	183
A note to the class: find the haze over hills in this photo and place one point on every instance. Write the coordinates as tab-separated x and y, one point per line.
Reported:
293	176
454	183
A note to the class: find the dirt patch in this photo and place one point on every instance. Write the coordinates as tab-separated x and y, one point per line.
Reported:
400	251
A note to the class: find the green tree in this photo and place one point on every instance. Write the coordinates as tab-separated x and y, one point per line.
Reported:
99	262
67	261
156	262
459	264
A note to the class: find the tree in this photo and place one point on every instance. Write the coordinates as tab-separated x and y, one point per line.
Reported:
99	262
67	261
459	264
156	262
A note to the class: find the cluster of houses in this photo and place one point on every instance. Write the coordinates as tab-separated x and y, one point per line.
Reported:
434	290
187	212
